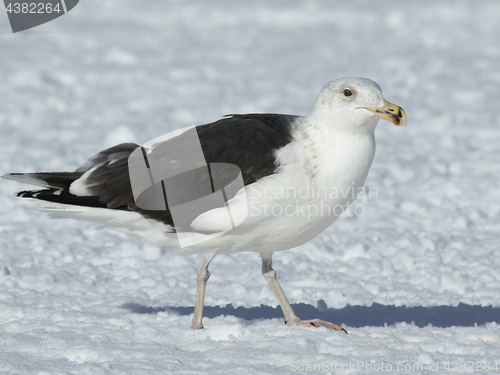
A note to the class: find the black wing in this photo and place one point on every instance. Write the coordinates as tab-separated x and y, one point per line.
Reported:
248	141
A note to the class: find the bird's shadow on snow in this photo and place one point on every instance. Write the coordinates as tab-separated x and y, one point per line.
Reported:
375	315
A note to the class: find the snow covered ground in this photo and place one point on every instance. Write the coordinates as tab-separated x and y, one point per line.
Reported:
78	301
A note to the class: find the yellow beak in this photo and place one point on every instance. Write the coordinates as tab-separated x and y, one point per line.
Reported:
390	112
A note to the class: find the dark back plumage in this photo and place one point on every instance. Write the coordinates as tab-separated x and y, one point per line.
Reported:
248	141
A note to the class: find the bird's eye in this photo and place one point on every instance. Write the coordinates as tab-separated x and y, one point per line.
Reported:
347	92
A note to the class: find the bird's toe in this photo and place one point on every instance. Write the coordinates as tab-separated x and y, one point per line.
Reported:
320	323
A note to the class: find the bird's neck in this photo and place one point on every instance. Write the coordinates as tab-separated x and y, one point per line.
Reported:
337	156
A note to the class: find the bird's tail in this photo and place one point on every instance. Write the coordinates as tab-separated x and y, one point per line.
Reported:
59	187
56	186
56	180
56	200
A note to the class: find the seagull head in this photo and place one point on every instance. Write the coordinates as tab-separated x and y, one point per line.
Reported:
355	104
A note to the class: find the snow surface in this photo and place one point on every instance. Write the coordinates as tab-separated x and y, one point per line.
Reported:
78	301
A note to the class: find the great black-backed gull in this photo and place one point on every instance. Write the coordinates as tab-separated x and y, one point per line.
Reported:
299	174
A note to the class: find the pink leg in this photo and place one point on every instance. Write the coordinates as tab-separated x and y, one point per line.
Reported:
202	277
290	317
